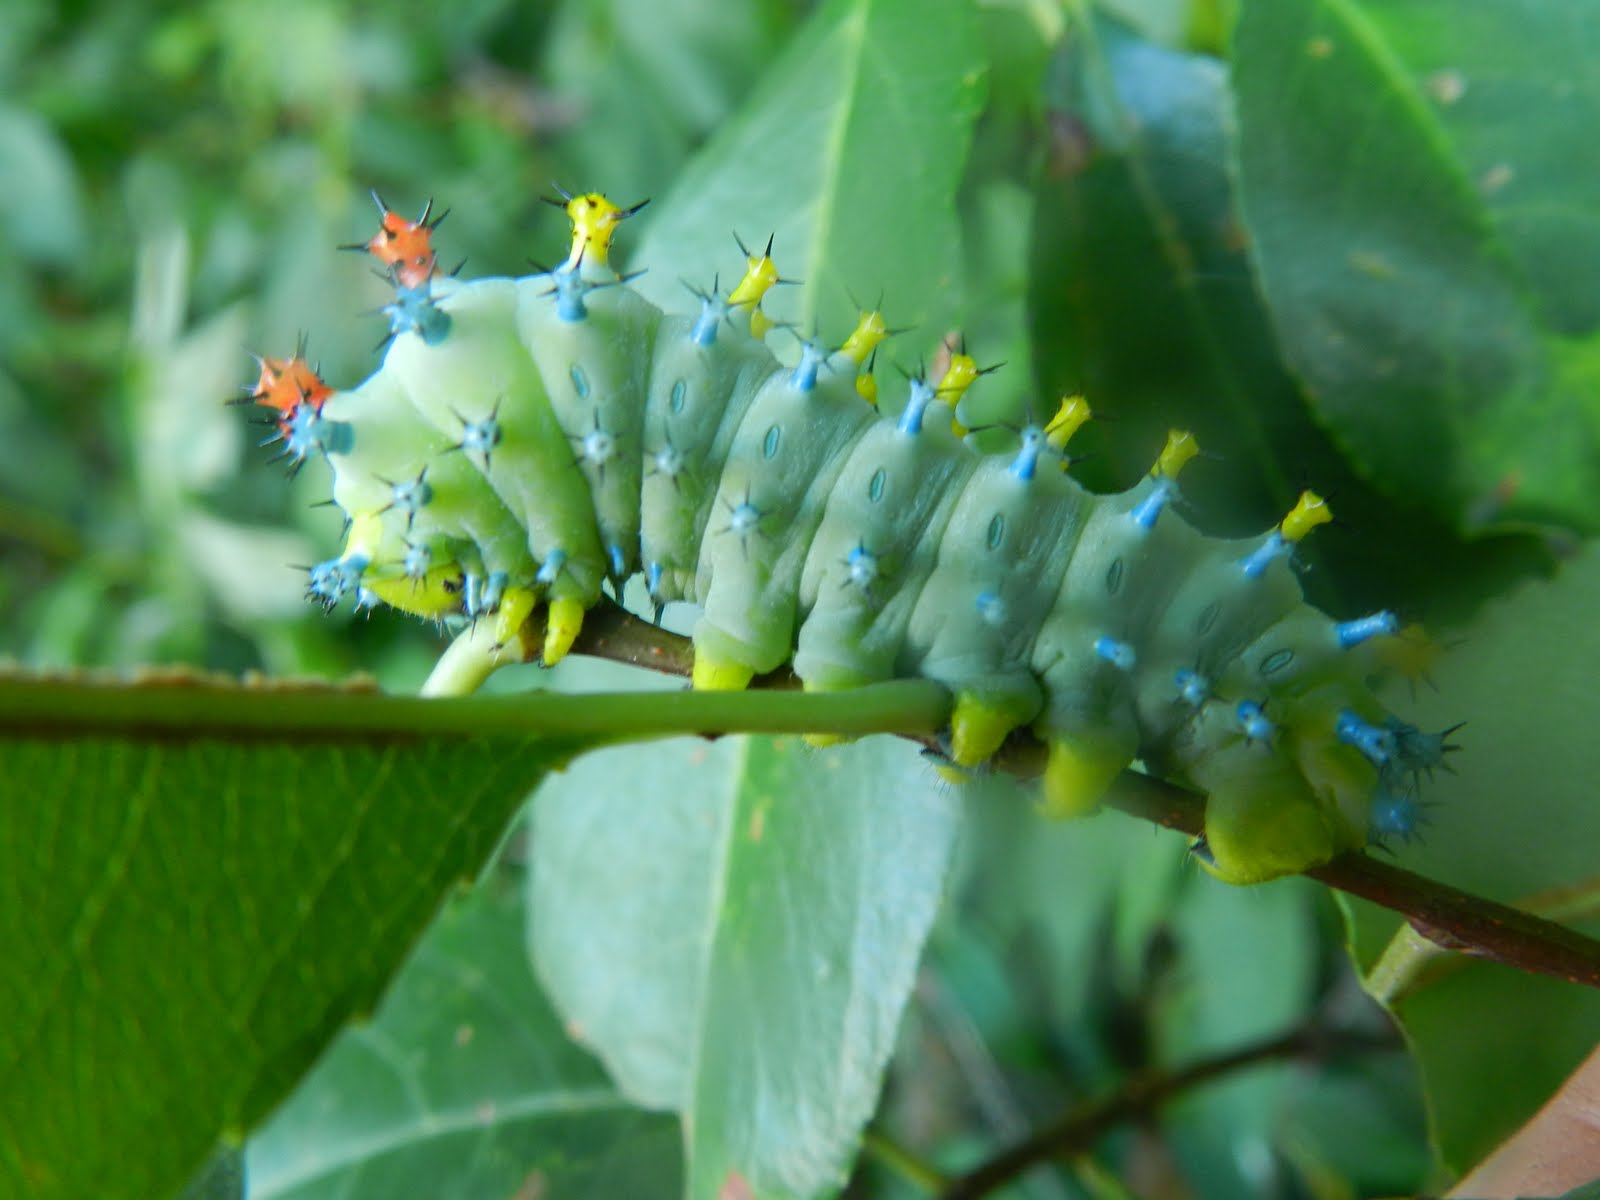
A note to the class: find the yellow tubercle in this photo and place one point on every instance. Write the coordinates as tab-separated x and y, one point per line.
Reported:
594	222
866	337
1078	773
759	276
955	775
1308	512
760	324
562	626
1073	414
953	385
957	378
867	387
712	674
516	606
437	594
1181	447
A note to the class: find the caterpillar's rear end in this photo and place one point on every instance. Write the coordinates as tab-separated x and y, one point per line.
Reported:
528	439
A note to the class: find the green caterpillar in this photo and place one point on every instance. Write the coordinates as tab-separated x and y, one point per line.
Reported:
527	440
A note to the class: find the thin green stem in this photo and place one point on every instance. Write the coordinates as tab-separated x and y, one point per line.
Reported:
919	1174
187	706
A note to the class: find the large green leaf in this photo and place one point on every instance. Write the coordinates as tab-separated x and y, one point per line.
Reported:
186	917
850	152
734	930
1409	189
1142	296
1519	819
199	884
465	1085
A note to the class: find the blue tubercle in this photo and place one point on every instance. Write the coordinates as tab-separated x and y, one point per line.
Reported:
1194	689
812	355
619	562
494	590
921	396
1119	654
1417	751
1255	564
569	290
863	567
472	594
310	434
991	609
413	311
417	561
1148	511
652	578
669	462
1255	723
482	435
552	567
411	496
1394	814
333	578
1027	459
1376	744
1353	633
713	312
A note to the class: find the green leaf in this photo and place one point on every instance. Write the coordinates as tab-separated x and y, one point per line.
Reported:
1142	297
201	883
1141	293
44	223
1517	820
734	930
1422	310
186	920
465	1085
850	153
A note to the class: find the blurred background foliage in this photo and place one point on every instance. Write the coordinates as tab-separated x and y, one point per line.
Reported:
176	178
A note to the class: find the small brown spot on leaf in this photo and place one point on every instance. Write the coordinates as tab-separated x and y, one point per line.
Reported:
534	1187
1319	47
1071	145
464	1035
735	1187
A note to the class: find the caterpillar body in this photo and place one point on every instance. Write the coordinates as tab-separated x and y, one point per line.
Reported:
526	440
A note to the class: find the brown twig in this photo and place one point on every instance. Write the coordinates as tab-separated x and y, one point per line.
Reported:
1448	916
1077	1131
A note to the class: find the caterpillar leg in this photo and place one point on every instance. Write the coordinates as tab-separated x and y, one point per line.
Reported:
713	673
562	628
981	723
516	606
1263	820
1079	770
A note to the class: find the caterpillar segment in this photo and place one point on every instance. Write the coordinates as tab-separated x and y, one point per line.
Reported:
528	440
